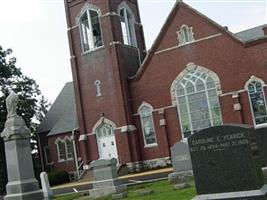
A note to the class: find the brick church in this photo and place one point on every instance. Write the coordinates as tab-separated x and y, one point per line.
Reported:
133	104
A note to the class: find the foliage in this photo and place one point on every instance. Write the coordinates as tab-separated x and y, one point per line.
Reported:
31	104
58	177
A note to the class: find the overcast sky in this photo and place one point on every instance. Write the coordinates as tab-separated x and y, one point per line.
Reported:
36	31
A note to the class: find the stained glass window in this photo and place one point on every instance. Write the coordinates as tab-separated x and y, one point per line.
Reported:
257	102
69	148
147	125
104	130
197	102
61	150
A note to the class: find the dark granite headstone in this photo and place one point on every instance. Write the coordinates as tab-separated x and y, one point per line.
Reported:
225	164
261	139
180	157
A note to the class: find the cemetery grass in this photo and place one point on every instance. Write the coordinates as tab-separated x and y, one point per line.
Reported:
162	191
69	197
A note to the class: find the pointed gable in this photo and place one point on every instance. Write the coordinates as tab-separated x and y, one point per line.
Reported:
183	15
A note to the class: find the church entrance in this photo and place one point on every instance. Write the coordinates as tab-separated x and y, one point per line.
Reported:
107	147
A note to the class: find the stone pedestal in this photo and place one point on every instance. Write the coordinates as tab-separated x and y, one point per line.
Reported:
22	184
106	180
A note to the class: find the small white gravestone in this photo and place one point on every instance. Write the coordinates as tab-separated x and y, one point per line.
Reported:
48	193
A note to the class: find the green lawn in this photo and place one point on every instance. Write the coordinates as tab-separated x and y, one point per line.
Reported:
162	191
68	197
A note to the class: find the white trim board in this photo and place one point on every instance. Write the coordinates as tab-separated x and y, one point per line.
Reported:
195	41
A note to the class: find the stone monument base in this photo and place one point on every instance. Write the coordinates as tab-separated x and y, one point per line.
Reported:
105	191
36	195
260	194
180	177
23	190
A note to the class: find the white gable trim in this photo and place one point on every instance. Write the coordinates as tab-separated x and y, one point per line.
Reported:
100	121
254	78
84	9
125	5
191	66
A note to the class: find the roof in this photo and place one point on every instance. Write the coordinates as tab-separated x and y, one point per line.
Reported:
251	34
61	117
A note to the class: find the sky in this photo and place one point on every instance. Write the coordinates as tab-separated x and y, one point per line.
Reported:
36	31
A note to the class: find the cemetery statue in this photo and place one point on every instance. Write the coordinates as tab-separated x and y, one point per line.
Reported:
22	184
11	104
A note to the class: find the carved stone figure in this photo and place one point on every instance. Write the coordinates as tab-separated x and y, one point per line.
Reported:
11	104
21	180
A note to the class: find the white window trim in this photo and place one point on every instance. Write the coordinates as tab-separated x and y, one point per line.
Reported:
254	78
85	9
131	26
58	152
66	148
181	37
142	125
192	66
98	88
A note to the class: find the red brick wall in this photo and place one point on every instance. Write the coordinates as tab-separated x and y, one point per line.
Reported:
229	59
68	165
224	55
111	65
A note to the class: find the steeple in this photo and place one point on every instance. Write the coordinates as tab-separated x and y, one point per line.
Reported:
106	46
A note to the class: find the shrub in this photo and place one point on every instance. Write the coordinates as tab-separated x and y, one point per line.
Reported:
58	177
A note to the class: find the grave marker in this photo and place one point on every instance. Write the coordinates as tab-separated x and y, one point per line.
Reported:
226	164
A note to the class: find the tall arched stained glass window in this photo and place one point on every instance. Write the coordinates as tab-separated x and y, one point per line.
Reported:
69	148
147	123
61	151
197	102
257	102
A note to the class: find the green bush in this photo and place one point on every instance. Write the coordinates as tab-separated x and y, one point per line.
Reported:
58	177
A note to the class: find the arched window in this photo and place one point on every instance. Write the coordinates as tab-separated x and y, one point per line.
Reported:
69	148
98	88
104	130
90	30
61	150
257	101
197	102
147	123
127	25
185	35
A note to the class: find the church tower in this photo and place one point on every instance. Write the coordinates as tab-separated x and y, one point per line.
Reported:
107	46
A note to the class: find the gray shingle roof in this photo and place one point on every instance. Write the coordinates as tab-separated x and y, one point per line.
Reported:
61	117
251	34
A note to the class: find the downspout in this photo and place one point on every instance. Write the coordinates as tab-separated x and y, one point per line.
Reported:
41	152
75	150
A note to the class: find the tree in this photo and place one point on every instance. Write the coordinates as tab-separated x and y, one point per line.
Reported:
32	105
